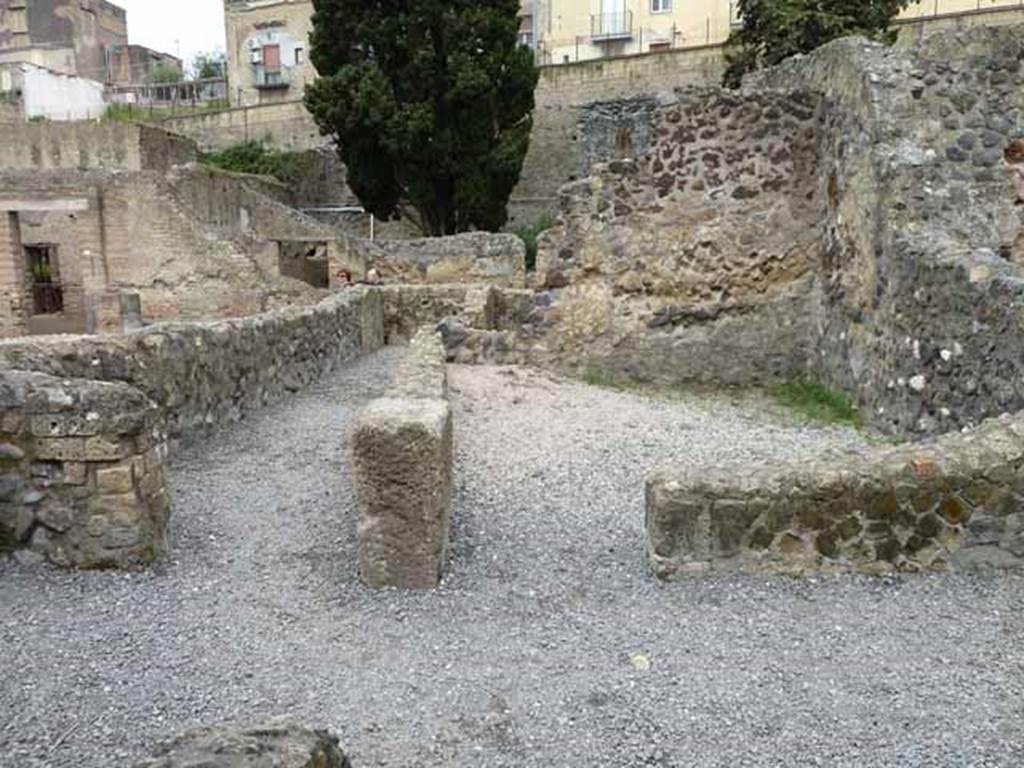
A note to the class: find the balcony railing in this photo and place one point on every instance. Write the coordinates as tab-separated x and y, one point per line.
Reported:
608	27
279	79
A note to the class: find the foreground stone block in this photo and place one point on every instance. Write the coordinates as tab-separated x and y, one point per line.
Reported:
955	503
403	460
403	457
276	744
81	472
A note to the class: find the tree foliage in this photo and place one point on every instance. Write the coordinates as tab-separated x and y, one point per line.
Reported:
165	74
206	66
776	29
430	103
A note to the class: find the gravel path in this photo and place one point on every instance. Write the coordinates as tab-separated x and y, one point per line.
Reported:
549	644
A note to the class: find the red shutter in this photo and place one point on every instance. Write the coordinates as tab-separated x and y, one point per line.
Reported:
271	59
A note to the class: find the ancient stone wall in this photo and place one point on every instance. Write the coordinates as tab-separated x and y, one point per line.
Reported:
404	455
473	257
91	145
921	271
479	307
203	374
81	471
952	503
695	260
285	125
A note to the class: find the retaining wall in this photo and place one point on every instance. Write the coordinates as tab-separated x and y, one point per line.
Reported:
203	374
403	456
953	503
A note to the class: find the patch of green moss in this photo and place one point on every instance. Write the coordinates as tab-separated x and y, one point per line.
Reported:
816	402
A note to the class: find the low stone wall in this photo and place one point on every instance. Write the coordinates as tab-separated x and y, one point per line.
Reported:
486	307
203	374
473	257
950	504
81	471
403	456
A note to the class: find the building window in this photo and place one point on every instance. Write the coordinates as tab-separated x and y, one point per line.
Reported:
661	6
300	57
271	59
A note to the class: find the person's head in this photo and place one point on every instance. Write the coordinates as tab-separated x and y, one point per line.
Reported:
344	276
373	277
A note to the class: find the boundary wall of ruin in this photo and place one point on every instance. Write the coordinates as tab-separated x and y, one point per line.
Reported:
85	421
952	503
91	145
403	455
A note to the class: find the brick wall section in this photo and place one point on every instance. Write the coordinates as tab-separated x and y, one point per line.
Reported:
81	471
952	503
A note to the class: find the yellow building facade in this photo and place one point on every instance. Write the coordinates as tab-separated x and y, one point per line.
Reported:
565	31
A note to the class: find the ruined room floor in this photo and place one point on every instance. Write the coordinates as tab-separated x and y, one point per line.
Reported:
549	644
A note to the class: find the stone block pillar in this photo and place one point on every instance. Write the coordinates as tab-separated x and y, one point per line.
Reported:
403	458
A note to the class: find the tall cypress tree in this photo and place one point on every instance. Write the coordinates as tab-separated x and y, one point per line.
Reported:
430	103
774	30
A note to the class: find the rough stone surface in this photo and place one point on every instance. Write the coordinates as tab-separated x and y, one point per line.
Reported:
273	744
473	257
403	456
951	503
693	261
82	472
921	277
485	307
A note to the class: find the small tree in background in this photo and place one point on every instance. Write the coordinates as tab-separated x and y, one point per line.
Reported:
430	103
774	30
206	66
165	74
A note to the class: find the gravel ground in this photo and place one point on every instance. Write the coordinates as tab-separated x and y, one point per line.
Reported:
549	645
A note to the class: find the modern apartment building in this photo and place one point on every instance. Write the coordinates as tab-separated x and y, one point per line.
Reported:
268	50
268	56
565	31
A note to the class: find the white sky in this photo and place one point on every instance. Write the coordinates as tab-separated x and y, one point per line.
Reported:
179	27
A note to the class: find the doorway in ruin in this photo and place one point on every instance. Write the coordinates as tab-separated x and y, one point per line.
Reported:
44	275
306	261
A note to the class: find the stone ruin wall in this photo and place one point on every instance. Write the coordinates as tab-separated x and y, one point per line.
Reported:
81	471
471	257
85	421
692	261
952	503
854	216
920	279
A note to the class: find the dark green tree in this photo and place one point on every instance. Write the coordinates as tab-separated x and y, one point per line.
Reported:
777	29
430	103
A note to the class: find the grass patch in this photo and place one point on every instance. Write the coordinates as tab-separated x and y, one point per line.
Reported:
816	402
529	234
129	113
598	377
255	157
